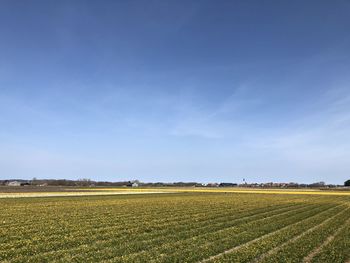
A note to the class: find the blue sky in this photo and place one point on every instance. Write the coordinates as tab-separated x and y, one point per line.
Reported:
175	90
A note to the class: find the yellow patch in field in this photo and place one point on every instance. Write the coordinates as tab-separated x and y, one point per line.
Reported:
225	190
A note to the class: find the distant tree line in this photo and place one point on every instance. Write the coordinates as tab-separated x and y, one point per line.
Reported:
347	183
85	182
63	182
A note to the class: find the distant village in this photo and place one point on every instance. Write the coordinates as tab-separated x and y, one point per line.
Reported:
136	183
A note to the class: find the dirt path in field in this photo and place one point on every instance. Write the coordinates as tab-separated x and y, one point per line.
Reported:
329	239
260	238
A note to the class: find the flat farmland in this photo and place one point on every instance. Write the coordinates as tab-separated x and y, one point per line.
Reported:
181	226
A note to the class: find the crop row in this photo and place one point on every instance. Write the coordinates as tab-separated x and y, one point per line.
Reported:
210	242
264	248
111	237
337	250
187	232
167	228
131	228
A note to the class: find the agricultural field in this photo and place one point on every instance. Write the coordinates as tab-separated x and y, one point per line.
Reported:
177	226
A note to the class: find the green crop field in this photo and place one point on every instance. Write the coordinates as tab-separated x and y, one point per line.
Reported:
176	227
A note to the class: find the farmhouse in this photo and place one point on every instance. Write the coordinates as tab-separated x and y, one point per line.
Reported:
14	183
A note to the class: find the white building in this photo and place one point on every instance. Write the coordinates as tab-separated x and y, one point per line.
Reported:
14	183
